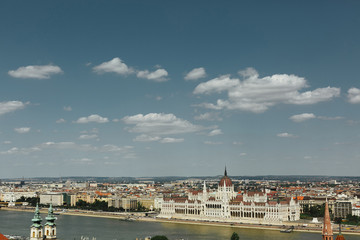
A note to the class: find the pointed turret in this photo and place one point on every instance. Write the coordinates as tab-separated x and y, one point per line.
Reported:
327	232
36	227
50	226
225	173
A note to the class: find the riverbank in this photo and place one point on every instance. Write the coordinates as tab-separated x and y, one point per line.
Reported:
137	217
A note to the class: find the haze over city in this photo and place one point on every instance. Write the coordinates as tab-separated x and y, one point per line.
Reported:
140	88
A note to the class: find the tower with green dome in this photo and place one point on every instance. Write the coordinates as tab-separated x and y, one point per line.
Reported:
36	231
50	226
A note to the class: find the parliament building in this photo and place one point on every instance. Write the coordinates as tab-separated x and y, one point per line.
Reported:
226	205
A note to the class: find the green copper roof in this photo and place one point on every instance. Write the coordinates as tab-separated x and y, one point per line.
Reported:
50	217
37	218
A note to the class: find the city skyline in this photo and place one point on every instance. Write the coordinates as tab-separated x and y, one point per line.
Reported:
137	88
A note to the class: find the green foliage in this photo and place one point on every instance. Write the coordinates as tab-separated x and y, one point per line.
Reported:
352	220
159	237
31	200
97	205
314	211
338	220
235	236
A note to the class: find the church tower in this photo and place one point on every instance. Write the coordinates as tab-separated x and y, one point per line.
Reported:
36	231
327	233
50	226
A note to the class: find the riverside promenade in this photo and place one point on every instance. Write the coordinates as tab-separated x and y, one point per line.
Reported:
138	216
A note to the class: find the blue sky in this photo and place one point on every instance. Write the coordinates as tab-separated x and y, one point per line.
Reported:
157	88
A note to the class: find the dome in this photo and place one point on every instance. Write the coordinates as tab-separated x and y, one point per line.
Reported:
226	180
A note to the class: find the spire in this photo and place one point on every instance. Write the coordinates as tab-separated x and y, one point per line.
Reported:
50	217
37	218
327	232
225	173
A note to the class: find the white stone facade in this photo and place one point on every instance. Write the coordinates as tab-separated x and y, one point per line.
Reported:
228	206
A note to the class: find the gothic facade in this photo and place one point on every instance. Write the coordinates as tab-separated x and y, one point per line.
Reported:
226	205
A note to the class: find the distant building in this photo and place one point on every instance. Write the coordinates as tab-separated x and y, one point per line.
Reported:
342	209
227	205
54	199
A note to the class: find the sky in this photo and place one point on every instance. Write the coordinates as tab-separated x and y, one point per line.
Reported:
164	88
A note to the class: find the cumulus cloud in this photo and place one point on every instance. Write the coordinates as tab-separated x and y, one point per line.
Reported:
116	65
257	95
35	71
302	117
212	143
208	116
61	120
22	130
156	124
196	74
11	106
286	135
171	140
146	138
158	75
87	136
307	116
92	118
215	132
354	95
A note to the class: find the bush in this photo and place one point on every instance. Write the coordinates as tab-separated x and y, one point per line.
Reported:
234	236
159	237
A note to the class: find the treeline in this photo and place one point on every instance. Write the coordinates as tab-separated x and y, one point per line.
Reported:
103	206
313	211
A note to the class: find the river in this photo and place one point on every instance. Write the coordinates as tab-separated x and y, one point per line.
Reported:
73	227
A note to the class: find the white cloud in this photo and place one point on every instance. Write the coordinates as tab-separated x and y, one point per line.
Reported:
158	98
6	142
243	154
212	143
61	120
68	108
307	116
196	74
302	117
158	75
146	138
35	71
330	118
11	106
171	140
217	85
22	130
208	116
215	132
156	124
256	94
92	118
286	135
354	95
237	143
87	136
116	65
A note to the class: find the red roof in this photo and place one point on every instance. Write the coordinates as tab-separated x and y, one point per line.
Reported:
226	180
2	237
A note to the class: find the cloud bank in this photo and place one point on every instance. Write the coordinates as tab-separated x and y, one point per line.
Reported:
257	95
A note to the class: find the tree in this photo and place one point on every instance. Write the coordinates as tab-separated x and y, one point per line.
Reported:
234	236
159	237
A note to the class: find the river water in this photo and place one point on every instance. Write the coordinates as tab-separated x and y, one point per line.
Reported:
73	227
